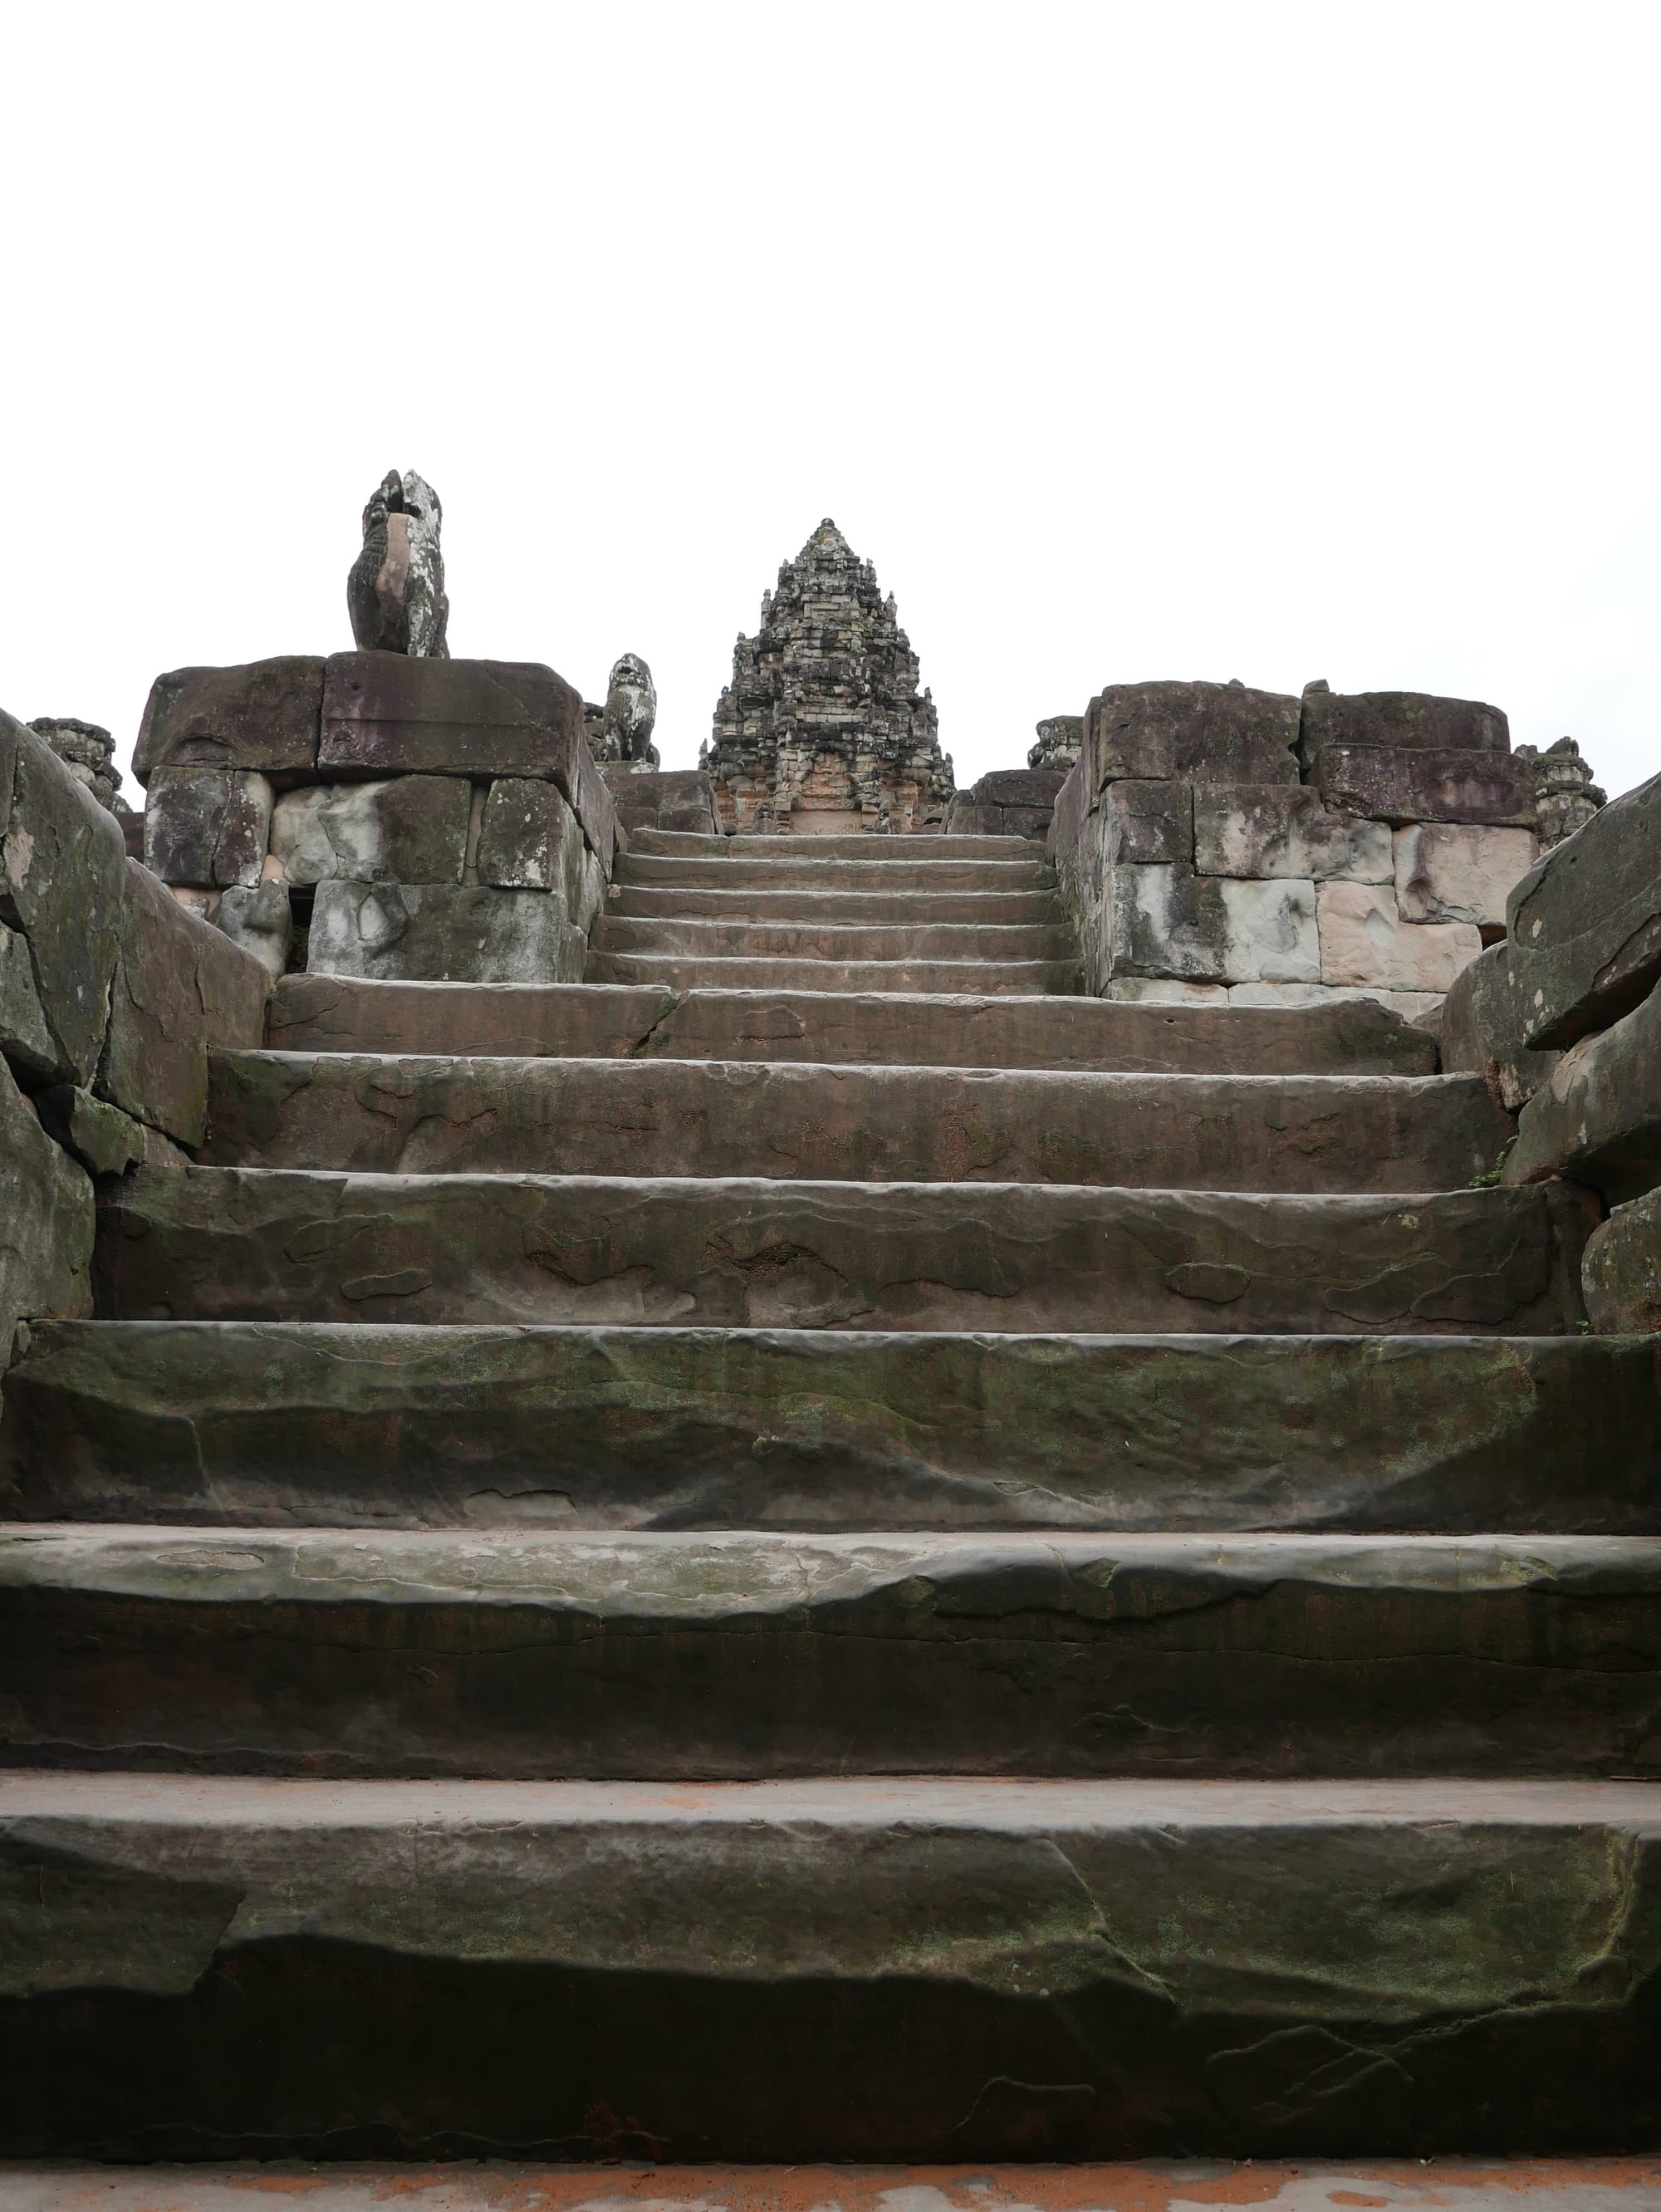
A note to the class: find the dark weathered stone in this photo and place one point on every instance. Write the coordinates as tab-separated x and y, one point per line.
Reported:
88	750
1598	1115
768	972
442	932
228	1244
1401	720
1284	830
585	1969
206	826
1203	733
1585	923
844	939
25	1039
1400	785
531	840
645	1117
695	1657
894	904
372	1426
1482	1031
180	987
822	722
320	1013
261	922
404	829
1149	822
46	1221
1623	1270
61	872
263	716
395	590
102	1137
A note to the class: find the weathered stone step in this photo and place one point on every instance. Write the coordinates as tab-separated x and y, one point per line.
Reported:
791	872
749	1657
697	938
667	1117
332	1013
667	901
921	850
978	978
259	1244
243	1967
377	1426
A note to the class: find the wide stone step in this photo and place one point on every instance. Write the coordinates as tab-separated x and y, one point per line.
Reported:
666	901
260	1244
244	1967
378	1426
775	972
922	850
666	1117
749	1657
332	1013
802	869
699	938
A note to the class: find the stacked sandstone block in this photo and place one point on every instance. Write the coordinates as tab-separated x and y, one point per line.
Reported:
380	816
661	798
1563	1016
1219	844
111	996
1007	802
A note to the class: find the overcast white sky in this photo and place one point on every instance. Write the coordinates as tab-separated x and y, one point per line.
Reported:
1268	341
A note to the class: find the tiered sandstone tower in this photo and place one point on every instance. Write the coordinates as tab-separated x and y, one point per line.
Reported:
822	728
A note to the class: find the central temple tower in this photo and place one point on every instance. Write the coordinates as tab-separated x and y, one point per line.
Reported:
823	729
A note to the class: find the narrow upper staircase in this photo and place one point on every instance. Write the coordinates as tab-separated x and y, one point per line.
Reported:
817	1548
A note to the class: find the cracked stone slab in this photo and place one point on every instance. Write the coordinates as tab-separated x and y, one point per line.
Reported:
241	1245
319	1013
1598	1115
261	716
1585	923
1387	784
404	828
375	1425
1199	733
646	1117
207	827
62	865
745	1655
1281	830
181	985
731	1966
442	932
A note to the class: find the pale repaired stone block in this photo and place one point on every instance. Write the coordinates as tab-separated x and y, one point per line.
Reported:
1459	872
260	919
1364	940
1271	830
1160	991
1170	922
405	829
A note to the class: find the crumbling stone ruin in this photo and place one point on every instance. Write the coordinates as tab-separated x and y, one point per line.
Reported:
88	753
1060	740
395	591
1565	796
621	730
1165	1497
823	729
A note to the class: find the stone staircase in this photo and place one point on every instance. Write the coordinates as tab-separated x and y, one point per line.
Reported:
748	1559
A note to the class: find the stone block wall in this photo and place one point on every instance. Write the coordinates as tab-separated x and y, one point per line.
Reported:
1219	845
665	798
110	996
380	816
1011	802
1563	1017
